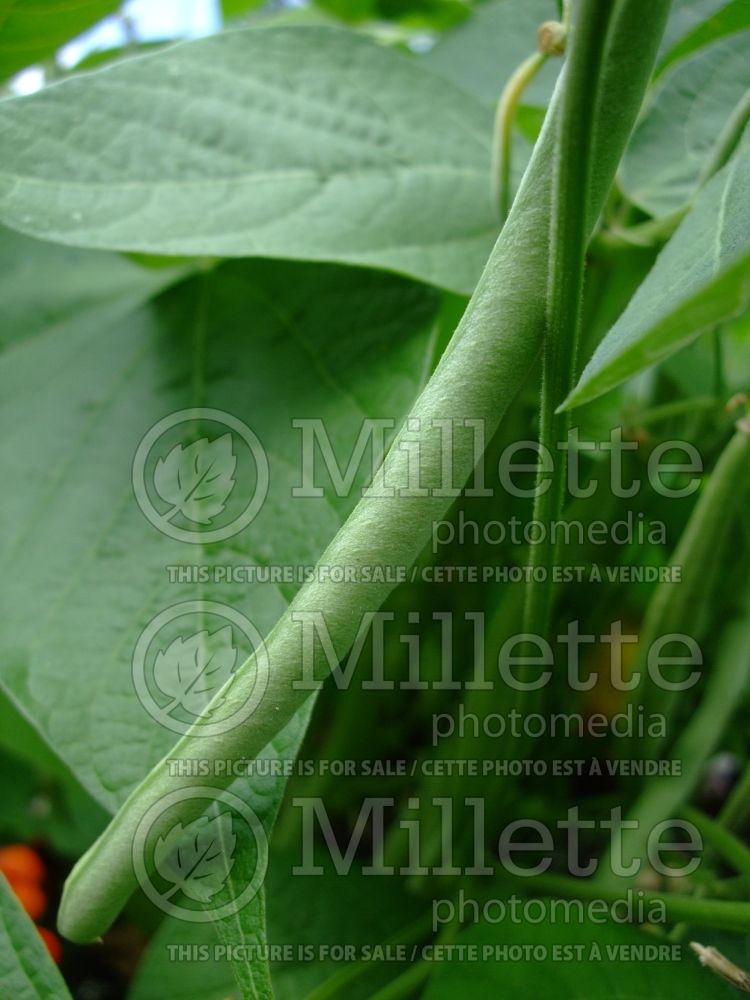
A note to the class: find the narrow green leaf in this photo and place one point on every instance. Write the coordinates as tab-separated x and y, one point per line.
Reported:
275	142
26	970
684	124
701	278
32	30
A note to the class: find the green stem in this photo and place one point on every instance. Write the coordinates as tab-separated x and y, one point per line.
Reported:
699	738
409	981
679	607
736	811
502	145
569	240
720	382
338	985
652	233
678	408
723	915
723	841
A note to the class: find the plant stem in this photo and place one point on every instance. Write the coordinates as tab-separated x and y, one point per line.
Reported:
502	144
339	984
679	608
722	840
416	974
569	239
667	411
725	686
551	40
723	915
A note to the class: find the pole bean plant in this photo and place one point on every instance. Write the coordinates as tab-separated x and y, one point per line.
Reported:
376	500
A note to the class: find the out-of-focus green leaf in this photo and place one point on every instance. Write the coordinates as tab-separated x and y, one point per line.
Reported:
434	14
26	970
700	279
684	125
76	282
226	339
735	16
78	397
236	8
481	55
32	30
684	18
573	960
280	142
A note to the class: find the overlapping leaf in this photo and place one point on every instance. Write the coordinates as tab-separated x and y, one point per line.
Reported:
684	125
306	143
695	23
89	571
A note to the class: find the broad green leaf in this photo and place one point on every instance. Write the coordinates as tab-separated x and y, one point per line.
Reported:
574	960
89	570
75	282
276	142
481	54
26	970
32	30
684	124
735	16
701	278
